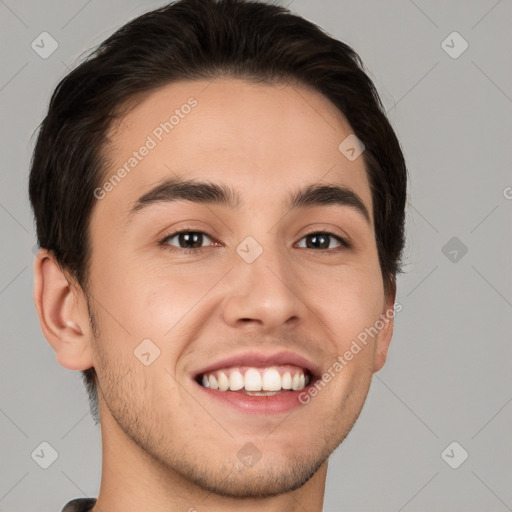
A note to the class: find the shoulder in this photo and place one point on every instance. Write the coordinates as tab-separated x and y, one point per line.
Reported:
79	505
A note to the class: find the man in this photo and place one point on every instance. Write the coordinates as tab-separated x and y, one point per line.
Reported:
219	201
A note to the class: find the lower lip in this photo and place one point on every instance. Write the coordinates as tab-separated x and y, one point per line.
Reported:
271	404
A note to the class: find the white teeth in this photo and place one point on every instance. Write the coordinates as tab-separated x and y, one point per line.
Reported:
223	381
213	382
236	381
255	380
271	380
286	381
252	380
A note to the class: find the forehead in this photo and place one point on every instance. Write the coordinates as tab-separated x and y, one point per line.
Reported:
264	141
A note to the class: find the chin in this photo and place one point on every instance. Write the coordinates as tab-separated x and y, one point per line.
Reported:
264	480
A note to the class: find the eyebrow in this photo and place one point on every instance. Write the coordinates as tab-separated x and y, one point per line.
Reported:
204	192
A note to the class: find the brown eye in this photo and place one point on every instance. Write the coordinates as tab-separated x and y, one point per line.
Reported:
188	240
322	241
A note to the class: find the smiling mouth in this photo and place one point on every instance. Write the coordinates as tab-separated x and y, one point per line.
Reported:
251	380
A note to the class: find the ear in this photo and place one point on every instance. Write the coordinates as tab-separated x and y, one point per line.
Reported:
62	311
386	333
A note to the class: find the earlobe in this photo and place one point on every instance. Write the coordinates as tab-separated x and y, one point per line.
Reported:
386	333
62	312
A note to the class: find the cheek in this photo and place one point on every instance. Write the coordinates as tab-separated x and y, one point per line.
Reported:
145	300
174	298
348	300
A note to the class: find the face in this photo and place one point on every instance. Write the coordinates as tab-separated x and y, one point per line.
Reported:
241	281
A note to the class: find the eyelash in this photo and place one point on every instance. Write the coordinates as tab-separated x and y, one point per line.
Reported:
344	245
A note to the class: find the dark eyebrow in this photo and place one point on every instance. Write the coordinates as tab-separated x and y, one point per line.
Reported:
175	189
319	195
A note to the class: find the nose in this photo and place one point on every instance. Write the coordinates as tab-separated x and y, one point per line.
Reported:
263	293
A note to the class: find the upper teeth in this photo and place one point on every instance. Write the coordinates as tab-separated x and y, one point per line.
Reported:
255	379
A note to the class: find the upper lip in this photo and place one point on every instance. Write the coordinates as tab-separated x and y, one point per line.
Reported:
260	359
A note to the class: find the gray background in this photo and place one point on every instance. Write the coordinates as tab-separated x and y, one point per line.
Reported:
448	374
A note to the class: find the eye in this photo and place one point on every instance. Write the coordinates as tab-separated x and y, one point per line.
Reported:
188	241
321	240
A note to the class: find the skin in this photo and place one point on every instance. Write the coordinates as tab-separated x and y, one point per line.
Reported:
166	446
